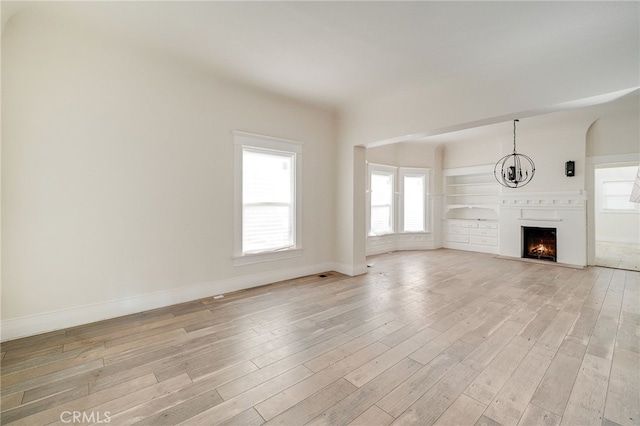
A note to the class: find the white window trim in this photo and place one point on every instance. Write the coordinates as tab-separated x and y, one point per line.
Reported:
260	142
388	170
414	172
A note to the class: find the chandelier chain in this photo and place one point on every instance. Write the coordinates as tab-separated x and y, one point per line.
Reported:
514	135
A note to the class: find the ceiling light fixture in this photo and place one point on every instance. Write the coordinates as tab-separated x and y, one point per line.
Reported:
514	170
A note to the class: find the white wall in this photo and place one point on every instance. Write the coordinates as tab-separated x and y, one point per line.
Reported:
473	152
617	130
116	178
550	140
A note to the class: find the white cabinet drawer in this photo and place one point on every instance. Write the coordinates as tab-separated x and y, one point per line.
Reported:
469	224
459	231
485	232
456	238
489	225
486	241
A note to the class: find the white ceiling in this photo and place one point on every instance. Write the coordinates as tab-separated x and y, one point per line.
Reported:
341	53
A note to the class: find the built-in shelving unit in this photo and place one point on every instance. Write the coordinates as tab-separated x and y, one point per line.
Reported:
471	209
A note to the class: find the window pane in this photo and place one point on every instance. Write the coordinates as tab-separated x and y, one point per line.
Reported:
414	203
618	202
381	220
381	189
268	201
266	227
381	203
266	177
618	188
616	195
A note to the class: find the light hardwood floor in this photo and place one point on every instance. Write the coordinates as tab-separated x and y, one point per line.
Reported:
437	337
618	255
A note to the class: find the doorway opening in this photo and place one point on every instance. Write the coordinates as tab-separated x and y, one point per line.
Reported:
617	220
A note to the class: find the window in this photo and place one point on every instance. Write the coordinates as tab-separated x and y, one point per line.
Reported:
614	186
411	205
381	203
615	195
267	198
381	199
414	196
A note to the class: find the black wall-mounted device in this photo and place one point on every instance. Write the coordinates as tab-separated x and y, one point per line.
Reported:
570	168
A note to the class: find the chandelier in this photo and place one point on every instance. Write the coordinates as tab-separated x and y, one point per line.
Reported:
514	170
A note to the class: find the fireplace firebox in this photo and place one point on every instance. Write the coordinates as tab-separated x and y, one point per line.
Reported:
539	243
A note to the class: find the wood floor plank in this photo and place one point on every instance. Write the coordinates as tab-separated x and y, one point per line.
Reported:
187	401
439	336
52	414
174	414
536	416
133	399
363	398
248	417
55	400
486	421
375	367
582	328
624	388
51	376
628	336
236	405
307	387
555	333
436	346
587	400
489	382
333	356
372	417
631	297
555	388
264	374
11	401
537	326
427	409
603	337
509	405
463	411
414	327
482	355
310	407
399	399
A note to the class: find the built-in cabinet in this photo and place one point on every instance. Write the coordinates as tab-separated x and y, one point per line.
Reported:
471	209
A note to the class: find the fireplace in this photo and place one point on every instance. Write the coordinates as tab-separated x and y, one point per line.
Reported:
539	243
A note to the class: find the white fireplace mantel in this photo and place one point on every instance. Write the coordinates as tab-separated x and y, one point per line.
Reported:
566	211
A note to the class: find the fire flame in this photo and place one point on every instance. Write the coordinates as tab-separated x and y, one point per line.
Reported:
540	249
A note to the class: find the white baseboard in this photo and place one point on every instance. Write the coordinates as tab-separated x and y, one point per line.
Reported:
14	328
400	242
351	270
